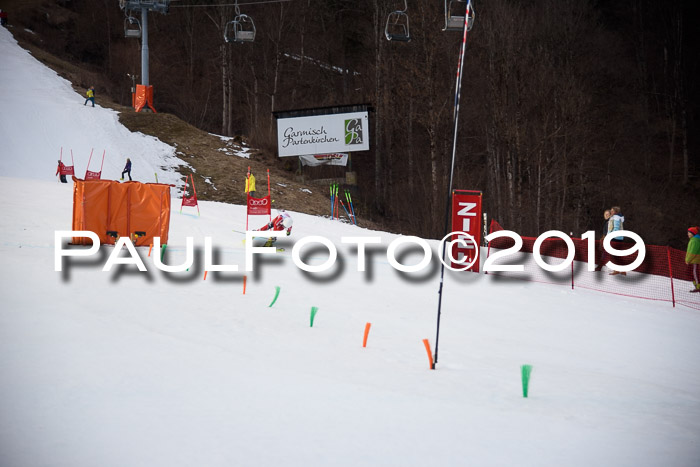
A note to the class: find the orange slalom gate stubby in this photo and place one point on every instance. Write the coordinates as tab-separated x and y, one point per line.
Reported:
430	353
205	275
364	341
245	278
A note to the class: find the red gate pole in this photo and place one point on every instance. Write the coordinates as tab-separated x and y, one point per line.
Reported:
269	194
88	165
572	274
195	194
670	273
247	197
184	193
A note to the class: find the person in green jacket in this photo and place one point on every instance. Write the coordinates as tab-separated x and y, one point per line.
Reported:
692	255
90	96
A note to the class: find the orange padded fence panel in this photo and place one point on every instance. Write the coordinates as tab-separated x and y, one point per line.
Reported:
111	209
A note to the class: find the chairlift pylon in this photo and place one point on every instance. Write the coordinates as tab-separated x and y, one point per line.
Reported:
130	30
397	25
241	29
454	15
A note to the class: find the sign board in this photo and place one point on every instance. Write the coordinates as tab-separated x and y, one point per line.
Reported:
323	134
259	206
324	159
90	175
466	217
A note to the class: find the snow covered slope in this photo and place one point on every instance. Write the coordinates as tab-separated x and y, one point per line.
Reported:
128	368
40	114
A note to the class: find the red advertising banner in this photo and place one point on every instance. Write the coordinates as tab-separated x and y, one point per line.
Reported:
67	170
90	175
189	200
466	217
259	206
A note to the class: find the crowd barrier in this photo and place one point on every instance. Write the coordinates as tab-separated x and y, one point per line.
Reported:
662	276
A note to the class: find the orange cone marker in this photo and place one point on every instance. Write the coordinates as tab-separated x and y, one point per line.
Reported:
364	341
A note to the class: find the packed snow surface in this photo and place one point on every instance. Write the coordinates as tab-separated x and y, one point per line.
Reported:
129	368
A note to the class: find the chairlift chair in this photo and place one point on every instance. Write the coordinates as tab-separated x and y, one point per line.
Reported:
241	29
454	15
397	25
130	30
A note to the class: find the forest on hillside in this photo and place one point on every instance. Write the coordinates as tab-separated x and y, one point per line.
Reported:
567	107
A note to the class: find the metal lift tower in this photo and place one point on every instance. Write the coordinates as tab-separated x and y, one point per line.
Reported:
144	91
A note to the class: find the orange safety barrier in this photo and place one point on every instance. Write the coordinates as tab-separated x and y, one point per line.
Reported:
111	209
143	97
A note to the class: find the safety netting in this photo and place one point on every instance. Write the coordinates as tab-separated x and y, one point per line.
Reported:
662	275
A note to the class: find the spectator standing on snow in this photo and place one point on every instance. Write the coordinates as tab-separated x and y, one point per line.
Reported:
59	172
250	184
127	169
615	223
3	18
692	255
90	96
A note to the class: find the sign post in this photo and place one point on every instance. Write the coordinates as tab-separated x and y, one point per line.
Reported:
466	217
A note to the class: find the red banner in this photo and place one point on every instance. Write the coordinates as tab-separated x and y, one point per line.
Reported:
259	206
89	175
190	201
67	170
466	217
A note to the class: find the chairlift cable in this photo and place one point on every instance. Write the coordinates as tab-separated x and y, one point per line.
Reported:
231	4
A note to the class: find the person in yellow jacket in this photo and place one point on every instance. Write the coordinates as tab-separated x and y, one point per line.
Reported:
90	96
250	184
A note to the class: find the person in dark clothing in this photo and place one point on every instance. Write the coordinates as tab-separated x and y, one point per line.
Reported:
127	169
59	172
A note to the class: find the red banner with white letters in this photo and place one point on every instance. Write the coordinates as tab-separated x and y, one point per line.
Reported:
90	175
466	217
259	206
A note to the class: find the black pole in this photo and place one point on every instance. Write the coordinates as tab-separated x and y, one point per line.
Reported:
458	90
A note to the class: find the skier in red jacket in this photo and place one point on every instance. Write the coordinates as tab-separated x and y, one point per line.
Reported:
281	222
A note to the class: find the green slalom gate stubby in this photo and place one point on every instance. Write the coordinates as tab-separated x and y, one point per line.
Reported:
525	371
277	294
